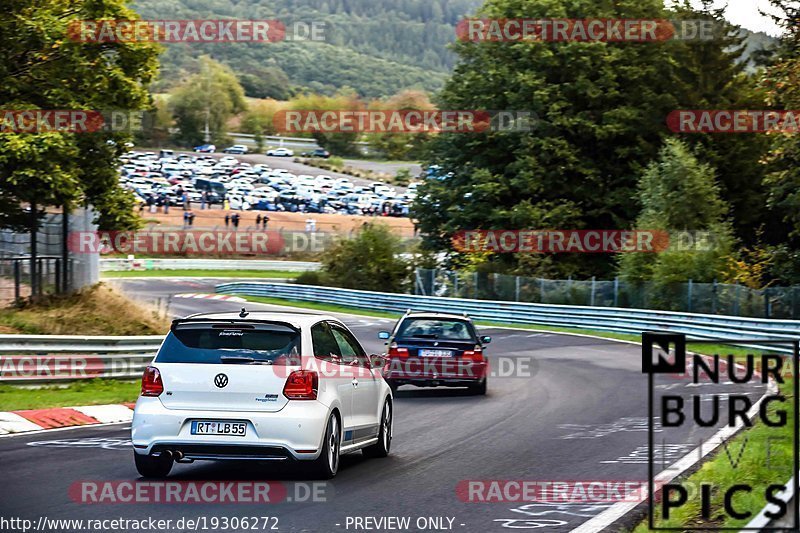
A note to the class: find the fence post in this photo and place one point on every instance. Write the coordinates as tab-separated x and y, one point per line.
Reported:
714	297
40	274
58	276
17	280
767	310
63	285
616	291
516	288
34	245
594	284
689	296
433	282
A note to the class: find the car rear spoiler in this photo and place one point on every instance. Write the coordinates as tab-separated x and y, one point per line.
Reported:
232	322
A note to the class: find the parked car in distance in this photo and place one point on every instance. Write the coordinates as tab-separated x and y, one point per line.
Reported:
215	189
319	152
280	152
205	149
238	149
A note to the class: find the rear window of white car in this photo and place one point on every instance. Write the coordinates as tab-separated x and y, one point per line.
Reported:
240	344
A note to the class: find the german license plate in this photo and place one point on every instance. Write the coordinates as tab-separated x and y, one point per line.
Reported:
435	353
219	427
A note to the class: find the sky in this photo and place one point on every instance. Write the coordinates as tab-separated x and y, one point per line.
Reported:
745	13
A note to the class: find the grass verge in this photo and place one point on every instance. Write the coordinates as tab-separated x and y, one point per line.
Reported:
90	392
96	310
189	273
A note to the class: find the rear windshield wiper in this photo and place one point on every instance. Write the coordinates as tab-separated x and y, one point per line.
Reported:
243	359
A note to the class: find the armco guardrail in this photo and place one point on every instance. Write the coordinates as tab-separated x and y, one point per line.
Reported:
118	265
633	321
55	358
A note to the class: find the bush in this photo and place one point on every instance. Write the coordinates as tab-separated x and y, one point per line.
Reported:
403	177
311	278
371	261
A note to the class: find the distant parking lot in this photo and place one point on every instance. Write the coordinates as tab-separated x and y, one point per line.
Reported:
255	182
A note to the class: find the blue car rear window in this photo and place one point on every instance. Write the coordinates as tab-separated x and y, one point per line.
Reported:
434	328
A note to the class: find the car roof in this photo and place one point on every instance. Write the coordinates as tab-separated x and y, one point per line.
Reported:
434	314
298	319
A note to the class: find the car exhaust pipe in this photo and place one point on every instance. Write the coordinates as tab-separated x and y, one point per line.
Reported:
180	457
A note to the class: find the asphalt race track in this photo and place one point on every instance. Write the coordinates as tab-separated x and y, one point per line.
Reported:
578	412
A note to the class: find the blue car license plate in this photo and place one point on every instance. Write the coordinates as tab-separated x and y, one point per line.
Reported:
435	353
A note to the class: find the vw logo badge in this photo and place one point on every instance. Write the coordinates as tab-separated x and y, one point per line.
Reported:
220	380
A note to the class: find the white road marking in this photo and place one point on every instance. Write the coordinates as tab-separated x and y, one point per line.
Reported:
107	413
13	423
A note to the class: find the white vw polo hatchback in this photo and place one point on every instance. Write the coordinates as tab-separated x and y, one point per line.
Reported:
261	386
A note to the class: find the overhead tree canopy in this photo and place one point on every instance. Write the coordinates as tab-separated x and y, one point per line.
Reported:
600	113
42	68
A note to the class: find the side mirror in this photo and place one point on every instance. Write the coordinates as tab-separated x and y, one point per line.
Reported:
384	335
486	340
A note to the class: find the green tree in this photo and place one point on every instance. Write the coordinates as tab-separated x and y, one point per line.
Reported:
258	119
401	146
678	193
266	82
782	83
370	261
43	68
711	74
599	108
206	102
342	143
156	130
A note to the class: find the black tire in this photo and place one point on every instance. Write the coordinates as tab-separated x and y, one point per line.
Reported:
384	444
327	464
153	467
479	389
392	385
